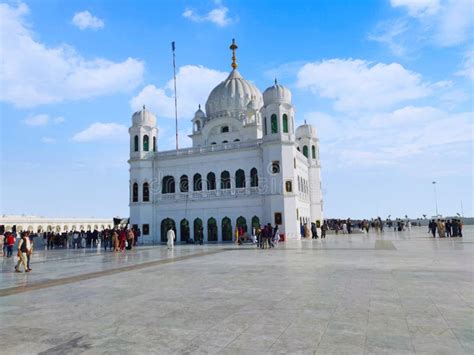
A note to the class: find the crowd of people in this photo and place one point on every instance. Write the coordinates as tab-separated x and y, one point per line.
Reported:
450	228
118	240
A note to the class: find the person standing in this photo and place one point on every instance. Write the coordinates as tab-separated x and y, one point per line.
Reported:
22	254
2	244
324	229
10	244
170	238
276	235
432	227
29	244
448	227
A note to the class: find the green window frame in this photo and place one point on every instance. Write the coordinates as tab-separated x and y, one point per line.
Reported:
285	123
146	143
305	151
274	123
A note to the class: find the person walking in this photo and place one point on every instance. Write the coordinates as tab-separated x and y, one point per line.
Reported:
170	236
22	254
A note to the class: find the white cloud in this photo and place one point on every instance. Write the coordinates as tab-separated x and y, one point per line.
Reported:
42	120
390	138
418	8
447	23
194	83
360	85
37	120
455	22
467	65
99	131
84	20
33	74
48	140
218	15
58	120
391	34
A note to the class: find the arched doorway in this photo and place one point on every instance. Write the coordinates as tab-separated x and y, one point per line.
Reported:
226	229
211	230
255	222
184	230
165	224
197	229
241	223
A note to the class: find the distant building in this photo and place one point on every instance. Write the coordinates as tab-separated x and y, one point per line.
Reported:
44	224
249	165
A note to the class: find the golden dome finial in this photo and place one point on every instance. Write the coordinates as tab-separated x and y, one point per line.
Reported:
233	47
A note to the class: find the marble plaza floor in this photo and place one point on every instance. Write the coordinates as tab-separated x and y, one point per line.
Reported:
396	293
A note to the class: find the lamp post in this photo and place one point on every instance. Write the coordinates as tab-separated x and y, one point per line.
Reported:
436	198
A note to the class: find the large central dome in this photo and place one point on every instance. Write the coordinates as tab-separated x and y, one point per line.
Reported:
232	96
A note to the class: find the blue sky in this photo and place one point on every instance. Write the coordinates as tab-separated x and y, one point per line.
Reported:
388	84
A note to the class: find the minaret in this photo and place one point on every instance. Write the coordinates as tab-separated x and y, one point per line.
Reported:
143	146
278	152
308	144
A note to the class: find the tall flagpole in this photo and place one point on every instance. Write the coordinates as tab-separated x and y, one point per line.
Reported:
173	47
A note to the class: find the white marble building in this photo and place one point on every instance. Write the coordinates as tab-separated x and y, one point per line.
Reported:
248	165
58	225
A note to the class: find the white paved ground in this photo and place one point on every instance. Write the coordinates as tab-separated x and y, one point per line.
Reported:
396	293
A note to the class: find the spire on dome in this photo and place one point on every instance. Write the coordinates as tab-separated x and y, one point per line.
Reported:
143	107
233	47
276	81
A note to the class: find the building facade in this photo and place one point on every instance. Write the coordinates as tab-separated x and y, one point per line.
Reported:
58	225
248	165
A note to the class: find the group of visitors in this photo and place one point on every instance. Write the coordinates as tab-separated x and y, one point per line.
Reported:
7	242
445	228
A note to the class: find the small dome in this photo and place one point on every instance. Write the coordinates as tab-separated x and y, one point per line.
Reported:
144	118
199	113
232	95
277	93
306	131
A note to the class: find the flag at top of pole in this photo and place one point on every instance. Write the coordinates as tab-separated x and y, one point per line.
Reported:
173	48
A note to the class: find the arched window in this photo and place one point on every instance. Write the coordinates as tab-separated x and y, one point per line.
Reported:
197	182
253	177
136	143
255	222
198	126
225	129
146	143
237	140
274	124
183	183
224	142
226	229
298	149
154	144
225	180
211	230
135	192
239	178
213	143
146	192
305	151
211	181
285	123
168	185
184	230
313	152
265	131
